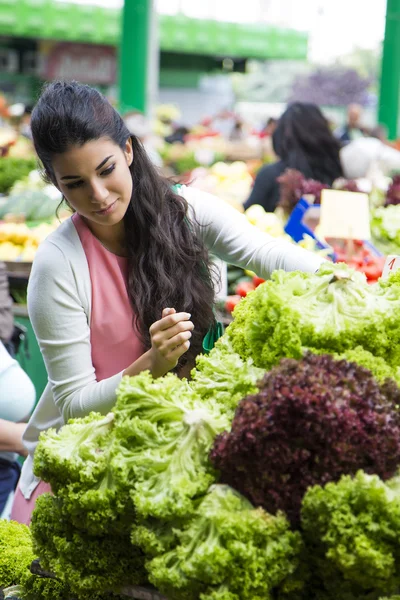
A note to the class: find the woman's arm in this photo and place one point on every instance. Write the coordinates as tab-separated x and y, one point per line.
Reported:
230	236
63	333
11	437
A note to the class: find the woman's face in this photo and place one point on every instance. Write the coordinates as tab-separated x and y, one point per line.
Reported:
95	180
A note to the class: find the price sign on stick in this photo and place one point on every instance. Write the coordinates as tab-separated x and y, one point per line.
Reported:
392	264
344	215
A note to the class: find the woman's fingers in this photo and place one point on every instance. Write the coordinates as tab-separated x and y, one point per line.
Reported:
170	336
175	354
169	321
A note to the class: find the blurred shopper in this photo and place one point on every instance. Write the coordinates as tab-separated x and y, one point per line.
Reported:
302	140
126	284
368	155
353	128
269	128
17	398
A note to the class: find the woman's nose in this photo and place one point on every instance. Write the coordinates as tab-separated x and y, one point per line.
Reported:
99	192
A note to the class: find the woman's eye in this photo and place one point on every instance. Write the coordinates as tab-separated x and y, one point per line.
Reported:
75	184
109	170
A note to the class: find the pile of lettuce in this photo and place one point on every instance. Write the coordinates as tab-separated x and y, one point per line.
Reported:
135	502
333	311
273	474
311	421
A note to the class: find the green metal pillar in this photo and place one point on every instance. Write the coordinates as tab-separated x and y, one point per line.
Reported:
136	55
390	79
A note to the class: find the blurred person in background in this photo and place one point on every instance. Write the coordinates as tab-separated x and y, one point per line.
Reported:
269	128
367	156
353	128
17	398
302	140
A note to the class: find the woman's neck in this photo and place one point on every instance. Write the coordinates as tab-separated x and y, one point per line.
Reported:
112	237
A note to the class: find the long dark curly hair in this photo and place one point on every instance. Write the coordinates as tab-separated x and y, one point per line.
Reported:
303	140
168	263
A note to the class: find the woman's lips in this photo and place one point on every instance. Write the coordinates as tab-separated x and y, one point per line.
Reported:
107	210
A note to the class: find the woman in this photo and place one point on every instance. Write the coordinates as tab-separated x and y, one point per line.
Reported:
17	398
303	141
125	284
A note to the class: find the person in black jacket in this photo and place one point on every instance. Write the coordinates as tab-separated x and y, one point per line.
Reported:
302	141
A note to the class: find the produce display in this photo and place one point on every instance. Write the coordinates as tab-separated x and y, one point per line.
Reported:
230	182
14	169
18	242
385	228
272	474
27	216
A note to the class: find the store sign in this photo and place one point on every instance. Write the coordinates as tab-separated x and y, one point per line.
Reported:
83	62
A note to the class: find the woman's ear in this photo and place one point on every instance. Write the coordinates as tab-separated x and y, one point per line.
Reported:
128	151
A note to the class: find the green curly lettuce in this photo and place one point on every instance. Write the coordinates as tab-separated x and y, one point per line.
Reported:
16	553
352	528
77	462
88	564
224	377
75	453
228	550
385	228
331	311
165	432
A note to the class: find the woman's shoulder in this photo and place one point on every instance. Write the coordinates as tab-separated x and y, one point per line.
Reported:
62	246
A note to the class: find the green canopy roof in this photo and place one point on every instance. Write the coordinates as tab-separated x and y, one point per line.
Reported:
48	19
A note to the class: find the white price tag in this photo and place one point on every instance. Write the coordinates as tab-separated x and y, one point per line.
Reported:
344	215
392	264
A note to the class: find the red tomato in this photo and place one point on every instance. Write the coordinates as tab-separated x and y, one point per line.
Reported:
257	280
231	302
244	288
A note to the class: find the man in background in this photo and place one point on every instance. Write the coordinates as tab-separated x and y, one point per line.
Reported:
353	128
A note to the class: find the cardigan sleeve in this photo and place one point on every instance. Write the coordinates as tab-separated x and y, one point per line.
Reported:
230	236
61	326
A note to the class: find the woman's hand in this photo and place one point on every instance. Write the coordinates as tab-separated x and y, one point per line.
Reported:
170	338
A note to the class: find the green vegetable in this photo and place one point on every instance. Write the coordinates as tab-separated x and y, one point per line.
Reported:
88	564
33	205
166	432
77	462
229	550
222	376
377	365
385	228
12	170
16	554
352	529
332	311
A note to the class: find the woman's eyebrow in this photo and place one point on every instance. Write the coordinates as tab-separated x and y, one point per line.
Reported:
97	168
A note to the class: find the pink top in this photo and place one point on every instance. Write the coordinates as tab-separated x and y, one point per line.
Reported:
115	343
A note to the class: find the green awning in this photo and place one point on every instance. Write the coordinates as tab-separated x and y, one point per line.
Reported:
48	19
